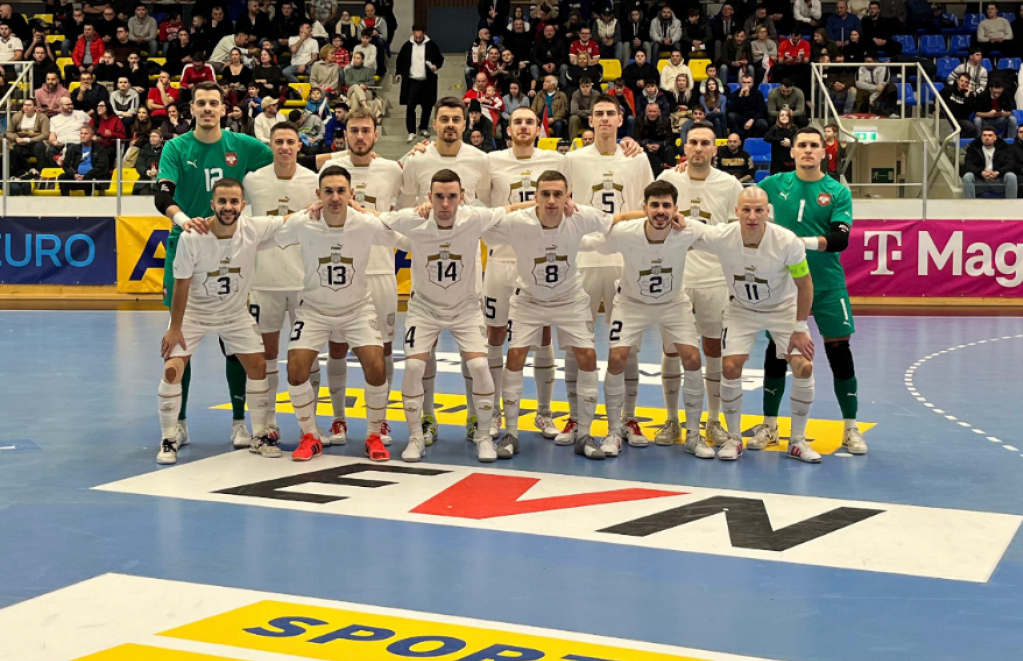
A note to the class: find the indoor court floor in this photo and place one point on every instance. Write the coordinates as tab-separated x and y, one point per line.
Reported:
910	553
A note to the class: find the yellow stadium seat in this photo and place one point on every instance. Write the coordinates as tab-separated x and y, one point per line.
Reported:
612	69
73	86
304	88
54	38
678	142
604	86
356	19
128	178
63	62
577	143
158	60
661	64
721	142
46	186
699	69
45	18
548	143
175	84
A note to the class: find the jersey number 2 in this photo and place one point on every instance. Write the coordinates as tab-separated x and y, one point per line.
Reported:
213	175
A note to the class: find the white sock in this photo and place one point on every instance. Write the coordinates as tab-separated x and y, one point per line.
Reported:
571	384
470	405
257	395
495	362
801	400
169	407
731	404
614	396
771	421
273	380
671	381
712	377
314	377
412	396
303	400
631	386
587	388
337	385
512	393
850	423
692	396
376	407
482	394
429	385
543	374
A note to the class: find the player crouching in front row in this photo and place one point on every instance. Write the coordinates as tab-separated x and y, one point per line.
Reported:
213	273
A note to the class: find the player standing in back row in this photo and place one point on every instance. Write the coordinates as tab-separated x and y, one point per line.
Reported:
819	210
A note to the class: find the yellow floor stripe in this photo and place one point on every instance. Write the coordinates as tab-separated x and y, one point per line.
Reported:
133	652
825	435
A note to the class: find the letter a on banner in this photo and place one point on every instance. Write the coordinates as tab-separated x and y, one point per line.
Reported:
141	249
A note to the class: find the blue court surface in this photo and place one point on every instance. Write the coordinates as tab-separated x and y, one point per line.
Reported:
910	553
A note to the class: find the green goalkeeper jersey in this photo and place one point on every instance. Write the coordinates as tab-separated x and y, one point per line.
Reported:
808	209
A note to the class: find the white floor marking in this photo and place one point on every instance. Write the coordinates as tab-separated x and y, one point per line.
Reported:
911	387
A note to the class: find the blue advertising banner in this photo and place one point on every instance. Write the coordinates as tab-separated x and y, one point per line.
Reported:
58	251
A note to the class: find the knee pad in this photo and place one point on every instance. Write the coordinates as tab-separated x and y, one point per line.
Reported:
840	358
414	371
774	367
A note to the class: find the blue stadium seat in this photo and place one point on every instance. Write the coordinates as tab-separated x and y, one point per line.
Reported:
925	93
946	65
1018	114
908	42
765	88
910	99
960	44
972	21
1011	63
931	45
954	20
1007	15
986	63
760	175
759	150
734	87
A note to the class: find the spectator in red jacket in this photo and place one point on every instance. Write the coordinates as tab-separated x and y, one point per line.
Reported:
109	127
87	53
161	96
198	71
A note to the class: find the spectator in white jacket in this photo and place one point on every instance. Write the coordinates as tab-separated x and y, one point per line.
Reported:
975	69
807	14
994	33
665	34
874	86
266	119
673	69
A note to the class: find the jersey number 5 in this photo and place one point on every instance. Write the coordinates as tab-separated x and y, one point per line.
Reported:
607	201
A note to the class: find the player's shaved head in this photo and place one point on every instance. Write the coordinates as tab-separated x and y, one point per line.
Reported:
753	193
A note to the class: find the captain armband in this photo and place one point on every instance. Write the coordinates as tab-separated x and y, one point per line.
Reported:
800	269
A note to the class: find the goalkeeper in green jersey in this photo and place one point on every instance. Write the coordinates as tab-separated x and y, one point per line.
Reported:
819	210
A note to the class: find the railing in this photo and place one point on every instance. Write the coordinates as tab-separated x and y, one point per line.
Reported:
21	87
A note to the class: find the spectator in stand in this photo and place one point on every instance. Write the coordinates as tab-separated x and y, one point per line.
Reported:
416	67
835	151
125	103
89	94
106	26
342	56
513	100
284	26
492	107
138	75
371	20
780	11
491	64
994	34
637	74
169	28
1016	149
587	137
841	88
143	31
635	36
878	31
122	46
696	34
347	30
304	51
109	127
734	160
519	41
220	25
665	34
994	109
807	15
723	29
550	56
787	97
712	74
334	131
518	13
552	106
479	88
267	75
162	96
193	74
48	97
653	133
841	23
252	102
147	164
582	69
822	45
673	69
651	94
367	50
359	79
310	130
179	54
41	66
478	121
715	103
476	54
141	128
318	104
508	70
325	74
581	107
919	15
236	78
573	26
238	121
698	116
876	93
87	53
266	119
627	102
174	124
682	100
64	128
255	24
780	138
737	57
747	110
107	71
85	164
478	139
793	61
855	50
765	54
584	44
608	34
961	102
989	166
758	20
1017	28
222	52
72	29
26	137
39	41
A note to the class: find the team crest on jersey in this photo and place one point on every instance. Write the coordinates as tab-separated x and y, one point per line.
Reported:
523	189
336	271
655	281
824	199
362	197
551	269
608	195
696	212
231	158
225	280
444	268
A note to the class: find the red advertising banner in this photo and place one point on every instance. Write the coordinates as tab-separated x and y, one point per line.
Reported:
935	258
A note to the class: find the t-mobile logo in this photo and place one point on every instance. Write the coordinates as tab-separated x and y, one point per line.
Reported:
883	254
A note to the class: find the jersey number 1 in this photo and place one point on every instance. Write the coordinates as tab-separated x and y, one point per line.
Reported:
213	175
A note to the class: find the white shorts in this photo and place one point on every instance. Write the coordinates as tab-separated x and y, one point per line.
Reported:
709	305
741	327
601	284
268	308
383	289
632	318
239	337
529	317
358	328
498	287
422	329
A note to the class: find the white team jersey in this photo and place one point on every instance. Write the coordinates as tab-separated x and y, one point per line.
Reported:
470	164
757	278
222	270
546	259
444	260
513	180
612	183
334	259
265	194
711	202
377	187
652	273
